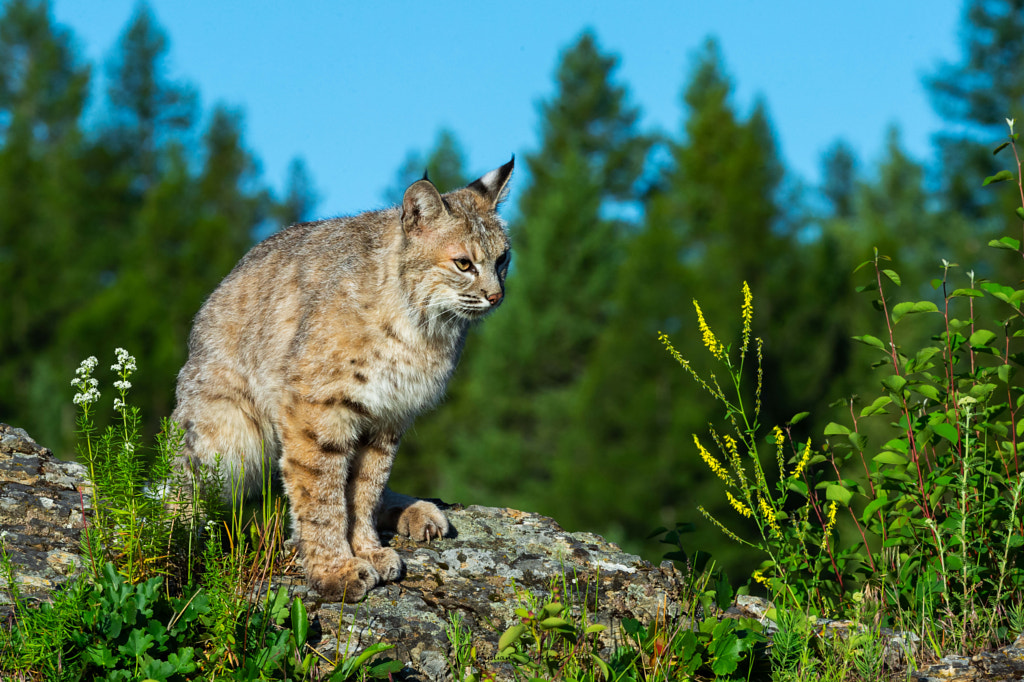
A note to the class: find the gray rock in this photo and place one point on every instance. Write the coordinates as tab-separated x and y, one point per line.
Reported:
44	504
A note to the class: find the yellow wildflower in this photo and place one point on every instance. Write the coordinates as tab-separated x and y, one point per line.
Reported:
718	523
734	454
831	523
803	460
769	514
712	343
713	464
741	508
780	440
748	316
663	337
760	376
759	577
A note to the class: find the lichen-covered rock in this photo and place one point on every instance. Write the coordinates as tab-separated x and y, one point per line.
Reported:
43	506
997	666
494	560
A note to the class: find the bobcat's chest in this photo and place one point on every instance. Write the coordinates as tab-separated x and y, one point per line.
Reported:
403	389
402	379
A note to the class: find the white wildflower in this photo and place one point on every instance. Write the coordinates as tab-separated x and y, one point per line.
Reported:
87	366
118	405
125	362
86	397
122	385
1009	122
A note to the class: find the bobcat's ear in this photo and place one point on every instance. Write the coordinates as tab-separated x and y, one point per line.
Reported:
421	205
494	186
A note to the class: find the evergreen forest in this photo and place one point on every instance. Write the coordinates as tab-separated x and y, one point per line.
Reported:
114	228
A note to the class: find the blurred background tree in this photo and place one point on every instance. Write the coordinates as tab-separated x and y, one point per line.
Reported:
113	230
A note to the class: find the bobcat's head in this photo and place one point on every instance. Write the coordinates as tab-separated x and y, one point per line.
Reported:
456	250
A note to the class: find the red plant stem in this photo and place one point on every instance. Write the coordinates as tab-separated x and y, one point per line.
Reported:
916	456
1020	184
863	461
860	529
1013	412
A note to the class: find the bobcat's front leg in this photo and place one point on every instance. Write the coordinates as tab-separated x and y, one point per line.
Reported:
418	519
319	443
371	468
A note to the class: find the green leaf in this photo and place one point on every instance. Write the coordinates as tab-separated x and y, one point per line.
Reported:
973	293
385	669
726	648
900	310
1000	148
873	506
886	457
898	445
877	407
982	337
894	383
553	622
300	623
1008	243
834	429
836	492
1020	212
138	642
872	341
511	636
798	417
928	391
182	660
998	177
894	276
947	431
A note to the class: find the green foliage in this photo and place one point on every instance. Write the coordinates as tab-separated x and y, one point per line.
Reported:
550	641
934	497
139	199
152	607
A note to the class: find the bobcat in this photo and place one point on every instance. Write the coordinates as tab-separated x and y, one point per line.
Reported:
321	346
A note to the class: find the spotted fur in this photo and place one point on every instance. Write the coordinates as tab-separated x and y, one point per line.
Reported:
319	349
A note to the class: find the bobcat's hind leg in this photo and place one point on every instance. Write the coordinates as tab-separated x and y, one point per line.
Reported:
410	516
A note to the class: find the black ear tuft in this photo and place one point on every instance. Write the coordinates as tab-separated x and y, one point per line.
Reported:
425	175
494	185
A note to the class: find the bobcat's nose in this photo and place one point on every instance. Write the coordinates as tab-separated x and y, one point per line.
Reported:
495	298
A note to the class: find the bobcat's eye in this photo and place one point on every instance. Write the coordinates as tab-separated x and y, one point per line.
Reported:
463	264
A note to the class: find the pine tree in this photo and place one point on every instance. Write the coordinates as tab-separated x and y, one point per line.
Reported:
148	109
445	165
43	89
300	198
978	94
710	224
498	432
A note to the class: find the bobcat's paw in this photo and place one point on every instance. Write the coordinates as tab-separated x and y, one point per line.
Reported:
350	581
387	562
422	521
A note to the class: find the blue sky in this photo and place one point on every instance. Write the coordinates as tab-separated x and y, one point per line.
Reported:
352	87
